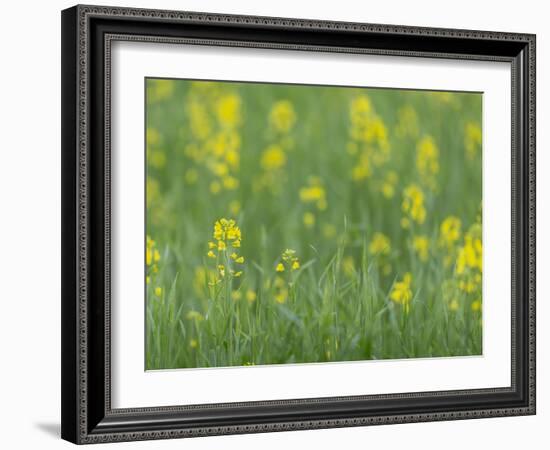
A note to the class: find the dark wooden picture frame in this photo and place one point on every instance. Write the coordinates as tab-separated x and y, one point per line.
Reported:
87	34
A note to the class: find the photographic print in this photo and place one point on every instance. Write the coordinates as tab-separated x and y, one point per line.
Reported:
292	224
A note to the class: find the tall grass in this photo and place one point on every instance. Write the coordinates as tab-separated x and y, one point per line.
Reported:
324	172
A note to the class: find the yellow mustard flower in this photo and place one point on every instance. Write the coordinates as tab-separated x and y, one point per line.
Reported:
193	343
380	244
369	143
280	267
421	246
282	116
228	110
470	255
314	192
158	291
250	296
289	257
476	305
401	292
152	259
413	205
450	231
273	158
469	261
362	169
387	187
226	234
280	290
427	161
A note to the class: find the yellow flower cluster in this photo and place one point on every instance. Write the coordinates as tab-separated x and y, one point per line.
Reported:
401	292
449	234
413	206
421	246
282	118
388	184
227	235
368	138
450	231
289	260
273	158
152	259
280	290
290	263
380	244
152	255
427	162
472	139
214	117
249	295
313	193
469	262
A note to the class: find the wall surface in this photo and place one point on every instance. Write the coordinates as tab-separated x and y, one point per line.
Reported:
30	225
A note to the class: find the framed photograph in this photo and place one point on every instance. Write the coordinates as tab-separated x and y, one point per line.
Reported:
281	224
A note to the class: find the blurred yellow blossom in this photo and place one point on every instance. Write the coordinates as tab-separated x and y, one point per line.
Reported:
401	292
315	193
273	158
427	161
250	296
228	109
380	244
309	219
413	206
282	116
476	305
450	231
421	246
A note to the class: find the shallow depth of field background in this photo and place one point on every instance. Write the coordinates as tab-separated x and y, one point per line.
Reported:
375	192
